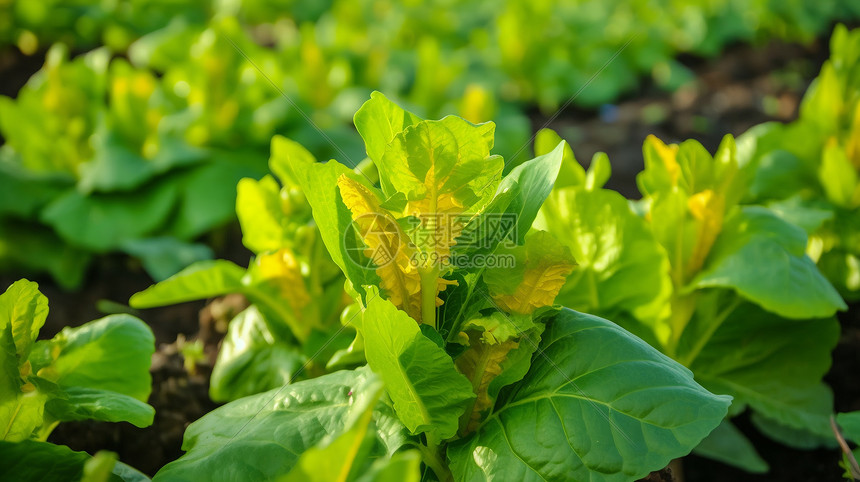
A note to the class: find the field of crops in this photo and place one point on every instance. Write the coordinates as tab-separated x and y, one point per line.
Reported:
429	240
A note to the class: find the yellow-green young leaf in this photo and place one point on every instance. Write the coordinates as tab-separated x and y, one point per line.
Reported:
837	175
378	121
25	309
386	246
21	414
571	172
259	211
481	363
429	394
620	265
282	269
99	468
444	169
541	267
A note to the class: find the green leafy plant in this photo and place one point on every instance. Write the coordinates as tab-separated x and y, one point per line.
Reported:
97	371
471	369
724	289
295	290
808	171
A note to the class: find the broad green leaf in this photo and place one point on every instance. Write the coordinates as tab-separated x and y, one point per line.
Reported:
32	460
378	121
252	359
807	215
336	459
772	364
728	445
620	267
45	252
112	353
345	458
21	414
429	394
206	195
762	258
204	279
101	222
163	257
609	406
531	182
800	439
25	309
262	436
81	403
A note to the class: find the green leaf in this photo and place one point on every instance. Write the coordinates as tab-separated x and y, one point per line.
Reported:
772	364
345	458
762	258
429	394
571	172
599	172
46	462
378	121
837	175
728	445
32	460
262	436
620	265
334	219
102	222
610	406
252	359
204	279
25	309
259	211
850	425
104	405
531	182
796	438
163	257
112	353
45	251
207	193
400	467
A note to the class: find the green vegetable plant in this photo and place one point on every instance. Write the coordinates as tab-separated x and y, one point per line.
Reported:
472	371
118	175
97	371
295	290
723	288
809	170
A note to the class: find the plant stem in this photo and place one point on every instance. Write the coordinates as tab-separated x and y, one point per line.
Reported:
428	295
431	456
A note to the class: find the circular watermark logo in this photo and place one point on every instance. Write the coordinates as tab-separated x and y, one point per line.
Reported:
371	241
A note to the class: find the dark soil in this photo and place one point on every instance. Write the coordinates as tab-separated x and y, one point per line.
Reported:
744	87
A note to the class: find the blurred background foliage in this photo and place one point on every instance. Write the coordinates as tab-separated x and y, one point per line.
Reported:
145	115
